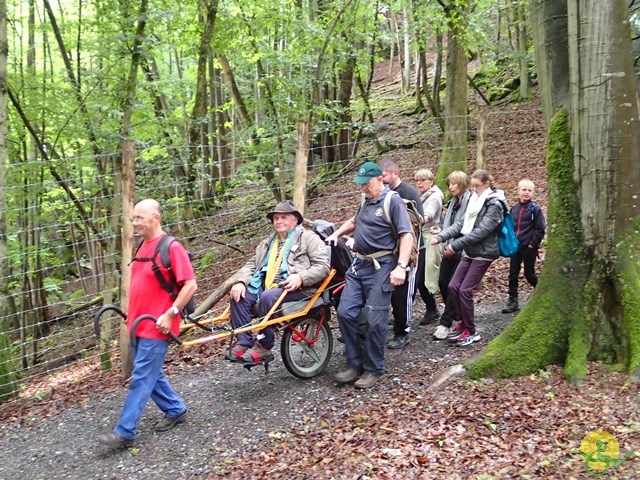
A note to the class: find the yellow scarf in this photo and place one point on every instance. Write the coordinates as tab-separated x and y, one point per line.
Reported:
274	262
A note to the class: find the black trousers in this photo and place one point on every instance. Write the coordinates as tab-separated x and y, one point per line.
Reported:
427	296
402	305
448	267
526	256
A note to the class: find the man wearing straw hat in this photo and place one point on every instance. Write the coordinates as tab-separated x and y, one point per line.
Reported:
292	259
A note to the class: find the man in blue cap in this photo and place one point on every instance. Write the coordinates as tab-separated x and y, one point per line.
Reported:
381	263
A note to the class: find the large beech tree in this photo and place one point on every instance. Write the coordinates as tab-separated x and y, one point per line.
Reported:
586	305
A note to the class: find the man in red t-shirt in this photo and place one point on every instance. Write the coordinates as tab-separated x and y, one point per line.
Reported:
146	296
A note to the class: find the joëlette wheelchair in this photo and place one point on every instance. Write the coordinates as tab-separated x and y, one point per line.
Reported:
306	341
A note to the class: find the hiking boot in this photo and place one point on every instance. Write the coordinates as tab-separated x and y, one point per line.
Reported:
167	423
257	354
347	376
512	306
114	440
468	339
429	317
441	332
367	380
235	354
399	341
455	331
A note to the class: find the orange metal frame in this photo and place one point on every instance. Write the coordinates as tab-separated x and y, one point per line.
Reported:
266	321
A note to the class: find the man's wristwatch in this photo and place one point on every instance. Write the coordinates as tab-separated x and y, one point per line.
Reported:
404	266
175	310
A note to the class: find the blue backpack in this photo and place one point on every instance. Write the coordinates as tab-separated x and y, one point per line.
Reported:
507	240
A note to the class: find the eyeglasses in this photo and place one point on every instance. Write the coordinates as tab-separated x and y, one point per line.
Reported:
476	185
423	179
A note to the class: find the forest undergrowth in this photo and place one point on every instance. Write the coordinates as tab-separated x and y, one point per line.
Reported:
247	425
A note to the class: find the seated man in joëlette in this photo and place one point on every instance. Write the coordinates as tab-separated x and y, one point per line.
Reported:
293	259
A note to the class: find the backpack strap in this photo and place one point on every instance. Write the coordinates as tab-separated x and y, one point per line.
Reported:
534	208
386	206
162	249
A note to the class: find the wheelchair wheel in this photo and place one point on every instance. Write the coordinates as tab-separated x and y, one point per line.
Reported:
307	345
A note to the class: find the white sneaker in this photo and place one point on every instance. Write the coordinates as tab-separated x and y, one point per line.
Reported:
441	332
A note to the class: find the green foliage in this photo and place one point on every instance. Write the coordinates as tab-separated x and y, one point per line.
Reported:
8	377
205	262
498	78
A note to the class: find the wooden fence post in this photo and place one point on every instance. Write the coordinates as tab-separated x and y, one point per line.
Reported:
481	143
128	198
300	175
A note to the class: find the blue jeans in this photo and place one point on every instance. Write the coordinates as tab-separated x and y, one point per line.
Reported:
241	312
148	381
367	292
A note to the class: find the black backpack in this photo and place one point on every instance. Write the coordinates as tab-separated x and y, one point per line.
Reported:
341	256
171	285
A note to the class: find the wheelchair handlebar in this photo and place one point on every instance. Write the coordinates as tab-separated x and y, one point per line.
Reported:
136	322
99	313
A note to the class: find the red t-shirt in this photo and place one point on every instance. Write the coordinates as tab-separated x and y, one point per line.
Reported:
146	296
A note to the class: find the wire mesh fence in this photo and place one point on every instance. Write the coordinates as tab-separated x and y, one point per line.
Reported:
61	266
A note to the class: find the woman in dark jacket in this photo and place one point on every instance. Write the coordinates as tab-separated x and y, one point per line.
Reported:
476	235
458	186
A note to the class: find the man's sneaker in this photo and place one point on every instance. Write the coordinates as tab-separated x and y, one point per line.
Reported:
398	341
167	423
455	331
441	332
512	306
114	440
235	354
429	317
257	354
367	380
468	339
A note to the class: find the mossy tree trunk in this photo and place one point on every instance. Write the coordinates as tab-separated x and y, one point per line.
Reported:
586	304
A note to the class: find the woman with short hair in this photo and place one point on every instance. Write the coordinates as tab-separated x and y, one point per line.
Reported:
429	261
458	186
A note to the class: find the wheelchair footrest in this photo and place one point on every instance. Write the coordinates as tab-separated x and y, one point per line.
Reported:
264	361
